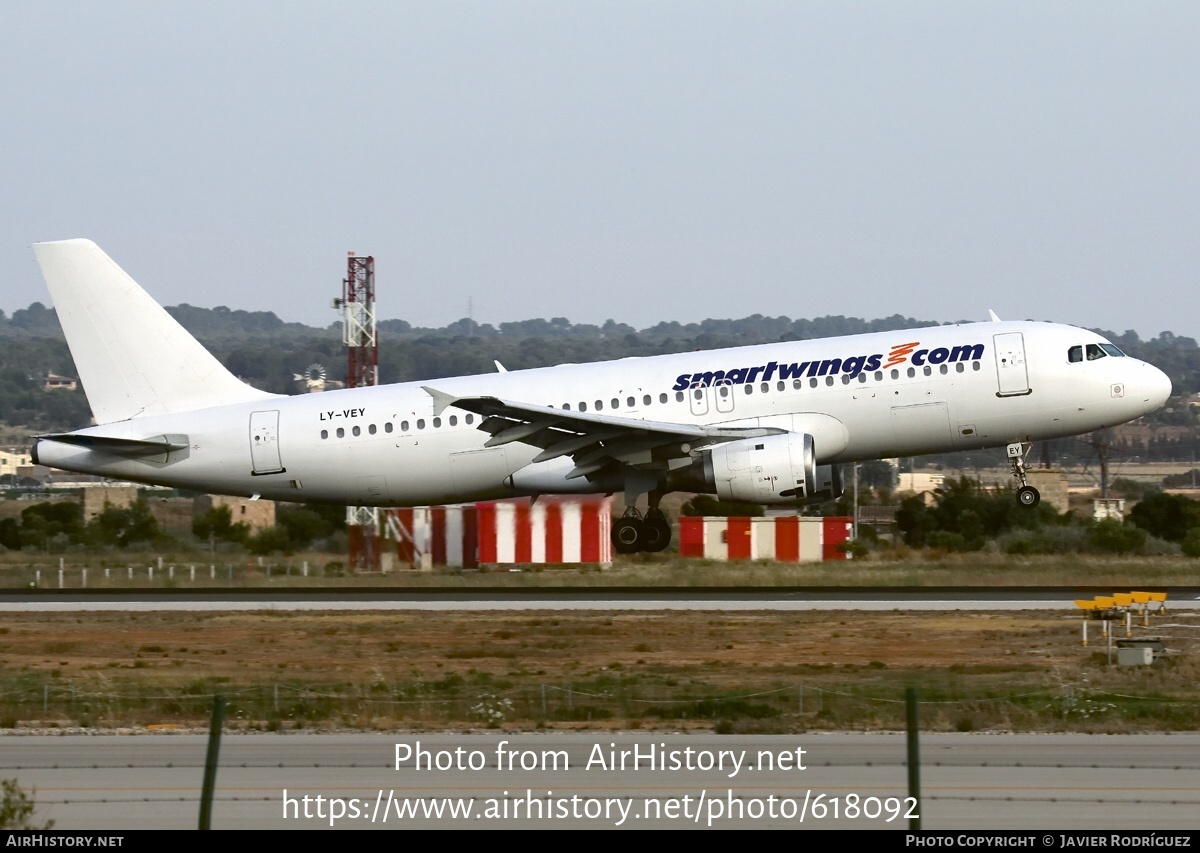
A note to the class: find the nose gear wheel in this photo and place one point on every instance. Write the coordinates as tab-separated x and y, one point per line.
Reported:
1027	495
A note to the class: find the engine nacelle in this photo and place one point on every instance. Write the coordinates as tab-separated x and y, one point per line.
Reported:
771	469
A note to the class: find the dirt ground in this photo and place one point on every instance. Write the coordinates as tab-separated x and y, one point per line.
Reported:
539	668
179	646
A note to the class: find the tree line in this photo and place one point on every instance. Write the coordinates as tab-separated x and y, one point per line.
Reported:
966	517
59	526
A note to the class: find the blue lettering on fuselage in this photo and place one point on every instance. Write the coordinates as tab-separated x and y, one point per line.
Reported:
852	366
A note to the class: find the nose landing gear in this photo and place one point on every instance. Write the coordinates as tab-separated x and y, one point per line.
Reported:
1027	495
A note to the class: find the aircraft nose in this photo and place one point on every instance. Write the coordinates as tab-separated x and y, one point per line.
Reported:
1155	388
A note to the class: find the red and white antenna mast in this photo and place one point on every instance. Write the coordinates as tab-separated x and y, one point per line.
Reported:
362	369
358	322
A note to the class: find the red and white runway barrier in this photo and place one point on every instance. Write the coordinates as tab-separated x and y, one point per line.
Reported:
552	530
786	538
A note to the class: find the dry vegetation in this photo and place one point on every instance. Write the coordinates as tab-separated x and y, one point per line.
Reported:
746	671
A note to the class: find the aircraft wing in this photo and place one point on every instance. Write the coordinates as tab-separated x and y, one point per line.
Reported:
593	441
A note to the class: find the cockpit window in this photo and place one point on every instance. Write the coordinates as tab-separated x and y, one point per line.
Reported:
1075	354
1094	352
1112	350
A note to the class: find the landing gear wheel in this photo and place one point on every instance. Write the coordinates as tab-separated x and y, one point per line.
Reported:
1028	496
628	534
656	532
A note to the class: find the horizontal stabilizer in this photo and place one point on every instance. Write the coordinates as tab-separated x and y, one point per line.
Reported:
122	446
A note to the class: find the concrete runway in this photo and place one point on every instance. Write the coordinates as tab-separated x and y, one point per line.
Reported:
1034	782
725	599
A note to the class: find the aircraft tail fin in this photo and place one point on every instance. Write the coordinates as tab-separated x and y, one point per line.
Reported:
133	358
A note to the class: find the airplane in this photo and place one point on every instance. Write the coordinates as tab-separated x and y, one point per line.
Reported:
771	423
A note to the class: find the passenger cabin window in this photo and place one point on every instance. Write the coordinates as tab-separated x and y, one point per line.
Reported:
1075	354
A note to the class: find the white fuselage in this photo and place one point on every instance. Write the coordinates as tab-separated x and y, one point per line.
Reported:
862	397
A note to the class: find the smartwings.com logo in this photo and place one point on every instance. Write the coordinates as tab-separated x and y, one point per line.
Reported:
851	366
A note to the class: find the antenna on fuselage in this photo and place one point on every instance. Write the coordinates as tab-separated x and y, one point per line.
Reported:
992	316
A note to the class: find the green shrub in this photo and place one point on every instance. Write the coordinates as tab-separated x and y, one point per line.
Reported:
1168	517
17	807
1191	543
1116	537
946	540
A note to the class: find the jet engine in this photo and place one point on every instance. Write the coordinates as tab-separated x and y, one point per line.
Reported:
771	469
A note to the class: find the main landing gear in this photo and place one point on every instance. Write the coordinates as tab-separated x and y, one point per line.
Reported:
634	532
1027	495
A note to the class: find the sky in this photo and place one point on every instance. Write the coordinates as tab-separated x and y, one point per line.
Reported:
637	161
